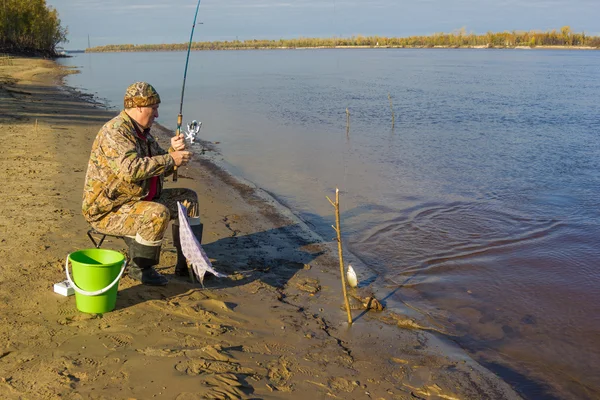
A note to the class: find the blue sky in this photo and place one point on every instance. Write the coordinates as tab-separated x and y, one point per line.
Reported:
169	21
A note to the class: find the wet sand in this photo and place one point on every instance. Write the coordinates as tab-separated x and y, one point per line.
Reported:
273	329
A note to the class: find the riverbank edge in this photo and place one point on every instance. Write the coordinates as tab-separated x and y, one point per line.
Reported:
479	47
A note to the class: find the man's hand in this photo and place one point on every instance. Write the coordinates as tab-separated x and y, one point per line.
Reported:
178	142
181	157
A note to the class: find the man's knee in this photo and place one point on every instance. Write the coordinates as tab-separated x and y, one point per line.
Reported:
160	217
163	218
155	222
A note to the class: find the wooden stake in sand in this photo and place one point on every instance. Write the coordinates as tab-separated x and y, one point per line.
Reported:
392	108
338	230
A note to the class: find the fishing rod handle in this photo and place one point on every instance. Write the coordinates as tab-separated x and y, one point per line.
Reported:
177	133
175	167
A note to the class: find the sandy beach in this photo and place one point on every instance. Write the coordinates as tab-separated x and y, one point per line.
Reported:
273	329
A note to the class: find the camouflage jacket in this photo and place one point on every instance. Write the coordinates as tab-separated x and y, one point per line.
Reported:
120	168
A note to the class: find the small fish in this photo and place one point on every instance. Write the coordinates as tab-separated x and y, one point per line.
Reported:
351	276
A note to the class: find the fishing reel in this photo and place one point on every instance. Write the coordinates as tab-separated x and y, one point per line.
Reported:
193	128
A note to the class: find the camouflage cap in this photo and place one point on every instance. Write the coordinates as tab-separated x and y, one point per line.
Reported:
141	94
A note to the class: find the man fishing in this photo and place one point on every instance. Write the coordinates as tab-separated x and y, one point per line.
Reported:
123	193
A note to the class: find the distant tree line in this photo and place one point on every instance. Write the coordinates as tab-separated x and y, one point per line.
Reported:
564	37
30	26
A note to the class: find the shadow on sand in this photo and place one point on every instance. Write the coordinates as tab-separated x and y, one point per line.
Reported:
272	257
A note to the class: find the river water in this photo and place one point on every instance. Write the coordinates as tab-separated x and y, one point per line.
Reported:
478	204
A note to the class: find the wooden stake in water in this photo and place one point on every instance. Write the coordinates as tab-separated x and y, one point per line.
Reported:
347	122
338	230
392	108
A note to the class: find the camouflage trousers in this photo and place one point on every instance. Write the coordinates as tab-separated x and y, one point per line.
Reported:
149	219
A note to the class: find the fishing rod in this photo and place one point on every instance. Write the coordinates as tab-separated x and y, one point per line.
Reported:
187	60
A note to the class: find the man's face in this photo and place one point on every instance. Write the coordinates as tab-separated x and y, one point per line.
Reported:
147	115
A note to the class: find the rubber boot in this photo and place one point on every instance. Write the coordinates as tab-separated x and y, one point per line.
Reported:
181	268
142	260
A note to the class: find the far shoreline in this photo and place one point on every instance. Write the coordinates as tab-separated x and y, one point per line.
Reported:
478	47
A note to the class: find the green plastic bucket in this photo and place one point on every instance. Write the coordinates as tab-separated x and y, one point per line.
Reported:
96	275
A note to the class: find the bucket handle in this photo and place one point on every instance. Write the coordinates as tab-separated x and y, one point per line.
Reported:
96	292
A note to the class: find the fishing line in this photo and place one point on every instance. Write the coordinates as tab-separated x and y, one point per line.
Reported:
345	150
187	61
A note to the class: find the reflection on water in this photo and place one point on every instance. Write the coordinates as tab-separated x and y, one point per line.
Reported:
481	202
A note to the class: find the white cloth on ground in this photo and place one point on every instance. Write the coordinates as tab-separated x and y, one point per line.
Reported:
191	248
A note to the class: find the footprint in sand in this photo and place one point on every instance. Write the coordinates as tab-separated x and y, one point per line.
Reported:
159	352
67	309
210	359
220	386
215	329
117	340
